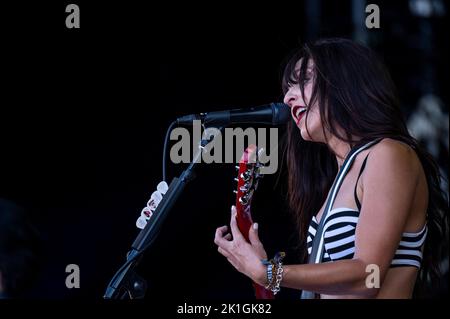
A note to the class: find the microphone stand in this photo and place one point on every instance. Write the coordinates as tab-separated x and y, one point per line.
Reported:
126	282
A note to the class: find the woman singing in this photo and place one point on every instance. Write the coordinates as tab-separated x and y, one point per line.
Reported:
352	162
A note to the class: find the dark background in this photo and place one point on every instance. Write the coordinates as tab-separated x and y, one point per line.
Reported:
84	113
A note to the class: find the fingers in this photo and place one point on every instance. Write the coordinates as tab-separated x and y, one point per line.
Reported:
223	252
256	242
253	235
222	240
221	230
237	235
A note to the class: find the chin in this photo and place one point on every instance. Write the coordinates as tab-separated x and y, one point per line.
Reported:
305	135
317	138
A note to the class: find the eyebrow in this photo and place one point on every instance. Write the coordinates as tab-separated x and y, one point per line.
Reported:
308	70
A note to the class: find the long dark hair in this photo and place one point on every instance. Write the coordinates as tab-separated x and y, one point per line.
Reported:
354	91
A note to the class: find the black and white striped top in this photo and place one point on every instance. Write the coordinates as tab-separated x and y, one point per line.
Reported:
339	239
340	226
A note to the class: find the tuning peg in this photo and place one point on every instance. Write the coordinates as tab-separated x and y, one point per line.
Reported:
258	171
243	200
260	152
245	176
244	188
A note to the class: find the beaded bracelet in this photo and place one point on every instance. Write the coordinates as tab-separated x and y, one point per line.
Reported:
274	272
270	269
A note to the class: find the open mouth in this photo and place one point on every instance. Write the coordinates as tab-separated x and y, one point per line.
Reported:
298	112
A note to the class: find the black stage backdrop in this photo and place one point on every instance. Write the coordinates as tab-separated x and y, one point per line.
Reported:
84	113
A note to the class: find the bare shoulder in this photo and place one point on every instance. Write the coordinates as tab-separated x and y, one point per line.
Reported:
395	181
395	154
394	159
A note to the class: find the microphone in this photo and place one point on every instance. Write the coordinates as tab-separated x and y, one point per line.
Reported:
271	114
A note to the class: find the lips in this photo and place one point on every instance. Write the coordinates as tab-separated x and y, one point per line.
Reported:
298	112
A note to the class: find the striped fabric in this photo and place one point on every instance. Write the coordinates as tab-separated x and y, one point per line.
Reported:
339	239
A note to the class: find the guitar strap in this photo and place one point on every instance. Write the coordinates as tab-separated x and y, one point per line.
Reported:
318	242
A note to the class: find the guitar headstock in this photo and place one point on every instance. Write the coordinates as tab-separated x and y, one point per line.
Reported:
248	175
247	183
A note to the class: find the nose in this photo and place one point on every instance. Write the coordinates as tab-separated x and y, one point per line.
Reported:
289	98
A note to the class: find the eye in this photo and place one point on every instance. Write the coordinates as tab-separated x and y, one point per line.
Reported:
292	81
307	78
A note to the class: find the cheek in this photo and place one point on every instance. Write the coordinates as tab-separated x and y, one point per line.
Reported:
317	119
308	92
314	118
312	128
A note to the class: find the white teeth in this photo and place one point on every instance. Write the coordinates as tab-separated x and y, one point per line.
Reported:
299	111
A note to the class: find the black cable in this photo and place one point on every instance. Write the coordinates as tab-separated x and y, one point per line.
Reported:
166	141
139	253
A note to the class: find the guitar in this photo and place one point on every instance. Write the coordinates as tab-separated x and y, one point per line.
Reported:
247	182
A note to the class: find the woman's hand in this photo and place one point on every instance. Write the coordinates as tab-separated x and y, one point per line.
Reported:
245	257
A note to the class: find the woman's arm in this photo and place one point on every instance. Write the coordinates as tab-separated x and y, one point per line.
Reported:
343	277
389	184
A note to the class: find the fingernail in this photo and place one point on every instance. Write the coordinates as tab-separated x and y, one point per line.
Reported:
233	209
255	226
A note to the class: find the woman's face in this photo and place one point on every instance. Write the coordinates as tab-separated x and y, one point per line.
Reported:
294	99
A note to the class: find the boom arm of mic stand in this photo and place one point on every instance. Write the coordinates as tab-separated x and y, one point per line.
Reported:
126	281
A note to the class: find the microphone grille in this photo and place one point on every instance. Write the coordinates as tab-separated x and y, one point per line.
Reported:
281	113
